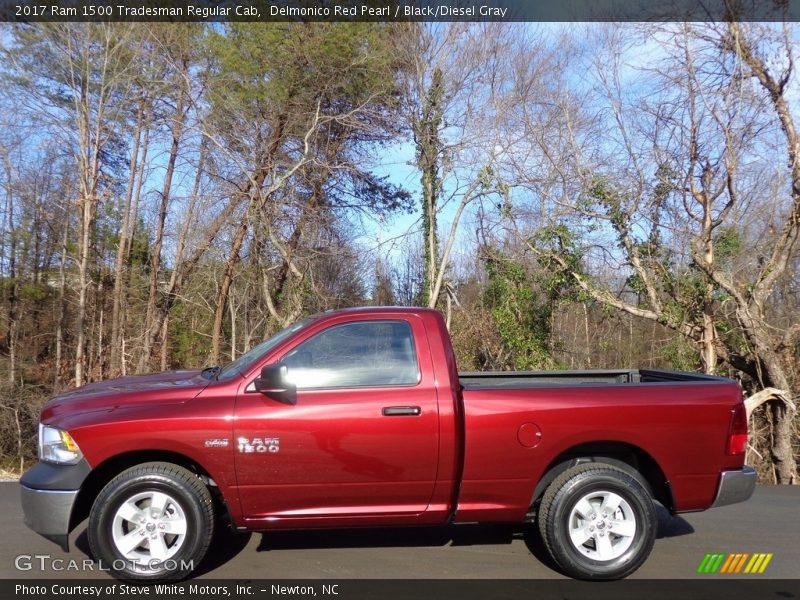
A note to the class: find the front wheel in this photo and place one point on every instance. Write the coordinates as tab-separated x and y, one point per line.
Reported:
152	522
597	522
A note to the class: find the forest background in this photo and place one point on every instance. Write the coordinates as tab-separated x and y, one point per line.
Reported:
582	196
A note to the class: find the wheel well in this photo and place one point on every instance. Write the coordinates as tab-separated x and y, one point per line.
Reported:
110	468
627	457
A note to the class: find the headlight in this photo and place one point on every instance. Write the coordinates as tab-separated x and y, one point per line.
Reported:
57	446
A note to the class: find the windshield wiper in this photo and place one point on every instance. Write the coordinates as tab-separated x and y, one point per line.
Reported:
210	372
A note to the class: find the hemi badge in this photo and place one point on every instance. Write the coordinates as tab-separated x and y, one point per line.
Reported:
217	443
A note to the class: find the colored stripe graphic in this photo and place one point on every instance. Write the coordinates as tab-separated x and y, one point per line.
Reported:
710	563
764	564
720	562
753	564
742	560
740	564
730	563
717	563
702	567
735	560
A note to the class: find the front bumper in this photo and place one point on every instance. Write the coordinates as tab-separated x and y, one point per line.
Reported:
48	494
48	513
735	486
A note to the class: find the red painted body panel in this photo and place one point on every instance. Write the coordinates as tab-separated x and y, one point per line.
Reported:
342	463
340	458
685	435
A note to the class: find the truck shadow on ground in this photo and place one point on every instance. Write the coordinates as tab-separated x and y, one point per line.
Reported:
453	535
226	544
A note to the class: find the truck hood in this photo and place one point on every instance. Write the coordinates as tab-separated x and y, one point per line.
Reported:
162	388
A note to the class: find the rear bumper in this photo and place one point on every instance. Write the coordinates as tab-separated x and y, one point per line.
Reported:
735	486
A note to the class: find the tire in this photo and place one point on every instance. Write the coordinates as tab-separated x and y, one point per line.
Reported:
583	542
136	543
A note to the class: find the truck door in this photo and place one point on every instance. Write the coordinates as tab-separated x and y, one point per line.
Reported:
362	439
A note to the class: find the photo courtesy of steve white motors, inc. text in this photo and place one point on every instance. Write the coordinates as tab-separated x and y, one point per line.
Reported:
215	590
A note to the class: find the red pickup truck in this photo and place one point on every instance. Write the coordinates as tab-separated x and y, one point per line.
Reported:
360	418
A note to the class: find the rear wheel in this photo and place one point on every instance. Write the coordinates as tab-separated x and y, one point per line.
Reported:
597	522
152	522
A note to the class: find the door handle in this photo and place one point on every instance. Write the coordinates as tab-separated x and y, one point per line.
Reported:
401	411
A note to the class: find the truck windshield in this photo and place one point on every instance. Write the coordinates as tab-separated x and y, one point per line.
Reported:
248	358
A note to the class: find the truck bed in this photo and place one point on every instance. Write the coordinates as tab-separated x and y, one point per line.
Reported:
473	380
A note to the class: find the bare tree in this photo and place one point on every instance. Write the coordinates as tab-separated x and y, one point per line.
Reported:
128	217
182	50
652	183
10	229
456	87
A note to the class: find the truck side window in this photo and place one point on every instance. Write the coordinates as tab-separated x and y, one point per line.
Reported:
359	354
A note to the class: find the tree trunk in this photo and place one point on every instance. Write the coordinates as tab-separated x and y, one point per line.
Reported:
99	355
62	304
126	273
115	366
709	341
91	139
282	278
155	256
429	145
185	268
783	414
164	342
232	316
11	335
87	219
222	297
174	279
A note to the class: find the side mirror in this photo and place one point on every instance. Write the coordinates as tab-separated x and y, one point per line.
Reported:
274	383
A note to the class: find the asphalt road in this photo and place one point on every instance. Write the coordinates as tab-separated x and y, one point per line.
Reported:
769	522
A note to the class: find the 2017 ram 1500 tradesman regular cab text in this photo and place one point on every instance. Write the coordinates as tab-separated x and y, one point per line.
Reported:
360	418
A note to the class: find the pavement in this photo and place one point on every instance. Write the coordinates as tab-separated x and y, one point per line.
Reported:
767	523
